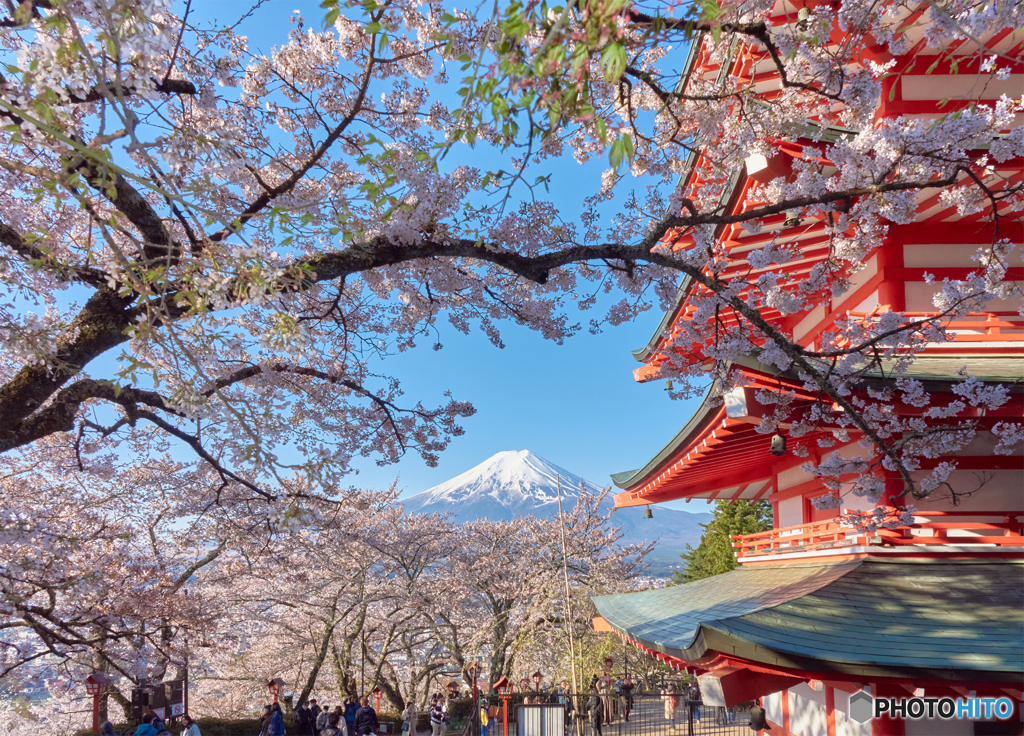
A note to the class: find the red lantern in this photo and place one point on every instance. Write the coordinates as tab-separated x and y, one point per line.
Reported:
537	677
474	670
504	688
96	684
376	696
274	687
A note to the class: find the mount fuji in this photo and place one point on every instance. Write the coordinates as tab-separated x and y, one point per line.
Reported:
517	483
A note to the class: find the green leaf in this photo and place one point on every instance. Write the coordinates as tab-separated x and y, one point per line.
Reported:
373	27
613	59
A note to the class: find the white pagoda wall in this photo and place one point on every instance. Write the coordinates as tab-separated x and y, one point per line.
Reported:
844	726
807	711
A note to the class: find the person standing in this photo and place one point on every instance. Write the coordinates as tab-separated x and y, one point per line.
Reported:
314	713
627	696
436	715
604	687
351	706
484	718
276	721
670	702
409	719
335	725
303	720
191	727
596	708
693	693
366	719
444	716
322	719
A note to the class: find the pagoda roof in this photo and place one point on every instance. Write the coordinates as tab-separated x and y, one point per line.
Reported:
712	450
866	618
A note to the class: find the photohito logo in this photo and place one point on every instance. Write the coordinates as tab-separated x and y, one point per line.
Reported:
863	708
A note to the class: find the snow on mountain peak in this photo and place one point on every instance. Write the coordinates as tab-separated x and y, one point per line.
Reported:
517	480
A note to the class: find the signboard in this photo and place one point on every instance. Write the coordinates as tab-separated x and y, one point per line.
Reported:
166	699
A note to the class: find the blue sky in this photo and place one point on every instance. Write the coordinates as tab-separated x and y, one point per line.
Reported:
576	405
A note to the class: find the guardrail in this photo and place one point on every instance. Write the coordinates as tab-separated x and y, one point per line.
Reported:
963	529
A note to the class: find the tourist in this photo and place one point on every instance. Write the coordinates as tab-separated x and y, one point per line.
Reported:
351	707
409	719
191	727
693	693
107	729
335	725
604	687
484	718
366	719
322	721
276	727
627	696
671	702
436	715
314	714
596	708
146	727
303	720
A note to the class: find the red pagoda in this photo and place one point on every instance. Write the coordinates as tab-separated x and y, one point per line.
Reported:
818	615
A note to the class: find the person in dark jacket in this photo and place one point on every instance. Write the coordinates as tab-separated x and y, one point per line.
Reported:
596	708
303	721
366	719
314	711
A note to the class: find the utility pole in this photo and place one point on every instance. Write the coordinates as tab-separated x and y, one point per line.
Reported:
568	604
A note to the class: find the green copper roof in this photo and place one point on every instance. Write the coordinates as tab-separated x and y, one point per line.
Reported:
946	620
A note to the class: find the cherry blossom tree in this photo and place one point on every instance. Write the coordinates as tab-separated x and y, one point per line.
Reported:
510	581
241	232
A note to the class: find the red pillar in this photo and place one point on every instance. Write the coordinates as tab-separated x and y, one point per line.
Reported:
892	291
96	712
830	711
785	710
886	726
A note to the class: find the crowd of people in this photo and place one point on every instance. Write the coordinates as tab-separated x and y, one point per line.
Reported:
608	700
354	717
153	725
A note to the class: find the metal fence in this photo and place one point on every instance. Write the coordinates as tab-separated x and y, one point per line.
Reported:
640	715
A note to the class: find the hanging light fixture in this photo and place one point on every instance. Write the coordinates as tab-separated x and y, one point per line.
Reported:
778	447
668	384
648	514
792	219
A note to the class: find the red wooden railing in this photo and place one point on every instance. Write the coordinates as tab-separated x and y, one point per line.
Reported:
971	327
828	534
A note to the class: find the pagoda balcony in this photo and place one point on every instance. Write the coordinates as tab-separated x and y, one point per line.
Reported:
972	327
933	533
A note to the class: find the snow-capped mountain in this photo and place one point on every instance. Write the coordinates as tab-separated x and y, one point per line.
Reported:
506	485
516	483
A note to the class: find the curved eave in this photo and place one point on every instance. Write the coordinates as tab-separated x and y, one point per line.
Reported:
704	415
